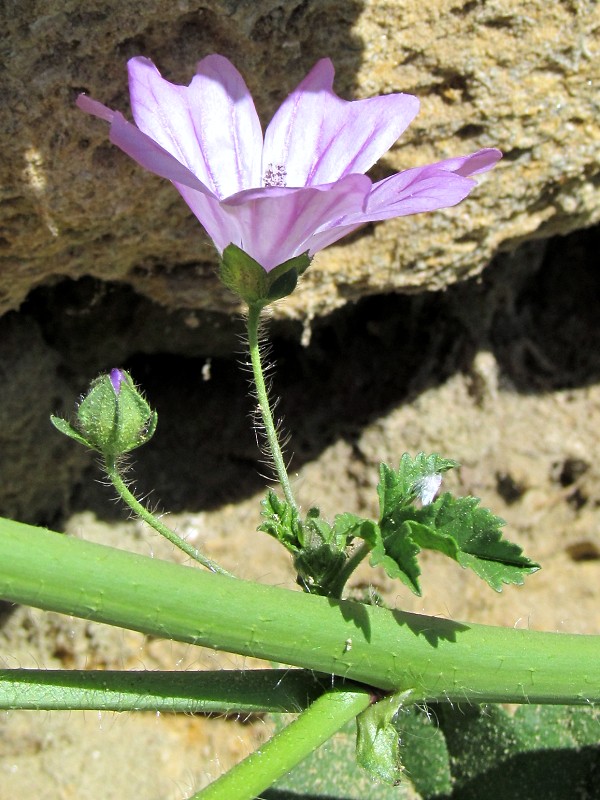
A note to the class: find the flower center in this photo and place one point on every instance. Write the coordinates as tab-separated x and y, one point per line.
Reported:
275	175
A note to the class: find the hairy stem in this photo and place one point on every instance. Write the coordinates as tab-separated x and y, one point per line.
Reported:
190	692
359	554
288	747
262	397
142	512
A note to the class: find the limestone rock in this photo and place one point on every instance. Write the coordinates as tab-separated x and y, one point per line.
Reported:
522	77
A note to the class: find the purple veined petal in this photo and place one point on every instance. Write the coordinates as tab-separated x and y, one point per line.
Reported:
277	226
221	227
415	191
428	188
211	126
139	146
330	234
473	164
317	137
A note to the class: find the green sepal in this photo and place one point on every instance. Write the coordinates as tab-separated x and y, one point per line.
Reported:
63	426
243	275
284	277
377	740
250	281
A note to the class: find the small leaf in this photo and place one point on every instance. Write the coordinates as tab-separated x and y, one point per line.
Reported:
281	522
322	556
402	486
348	527
377	741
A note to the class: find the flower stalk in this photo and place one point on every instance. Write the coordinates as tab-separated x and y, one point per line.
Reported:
150	519
262	396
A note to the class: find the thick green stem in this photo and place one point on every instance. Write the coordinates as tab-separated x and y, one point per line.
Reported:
392	650
288	747
262	397
142	512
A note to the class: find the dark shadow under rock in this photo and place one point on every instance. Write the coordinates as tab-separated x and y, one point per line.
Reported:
534	309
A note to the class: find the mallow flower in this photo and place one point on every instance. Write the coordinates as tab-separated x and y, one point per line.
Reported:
299	188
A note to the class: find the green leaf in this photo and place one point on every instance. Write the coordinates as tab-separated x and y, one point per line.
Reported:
471	753
397	553
424	752
457	527
400	487
549	752
377	741
478	536
281	522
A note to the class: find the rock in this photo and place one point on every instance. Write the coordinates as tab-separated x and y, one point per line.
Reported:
523	79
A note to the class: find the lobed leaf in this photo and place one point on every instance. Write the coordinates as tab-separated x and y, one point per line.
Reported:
478	536
401	487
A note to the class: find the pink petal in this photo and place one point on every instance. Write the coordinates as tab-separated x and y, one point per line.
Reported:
481	161
319	138
278	223
414	191
330	234
95	108
428	188
222	227
210	126
139	146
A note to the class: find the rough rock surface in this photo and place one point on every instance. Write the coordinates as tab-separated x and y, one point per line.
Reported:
522	77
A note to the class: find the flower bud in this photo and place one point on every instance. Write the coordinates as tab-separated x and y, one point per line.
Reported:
112	418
